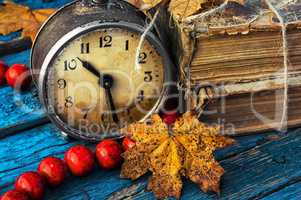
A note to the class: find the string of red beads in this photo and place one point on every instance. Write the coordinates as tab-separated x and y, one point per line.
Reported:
79	160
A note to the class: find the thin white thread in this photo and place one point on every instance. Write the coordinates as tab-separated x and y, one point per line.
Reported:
285	59
201	16
148	28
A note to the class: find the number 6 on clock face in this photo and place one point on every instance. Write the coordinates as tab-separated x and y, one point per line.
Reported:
102	76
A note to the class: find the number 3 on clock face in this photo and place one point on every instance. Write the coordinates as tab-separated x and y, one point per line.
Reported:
98	73
136	88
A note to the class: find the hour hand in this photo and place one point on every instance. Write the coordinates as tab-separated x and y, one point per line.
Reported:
90	67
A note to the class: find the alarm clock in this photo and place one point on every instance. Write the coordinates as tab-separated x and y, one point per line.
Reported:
99	66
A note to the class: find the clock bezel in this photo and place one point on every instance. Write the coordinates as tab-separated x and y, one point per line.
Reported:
169	75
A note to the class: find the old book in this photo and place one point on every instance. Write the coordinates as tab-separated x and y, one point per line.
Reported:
254	112
237	47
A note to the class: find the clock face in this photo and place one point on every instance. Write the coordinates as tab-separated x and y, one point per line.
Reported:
104	80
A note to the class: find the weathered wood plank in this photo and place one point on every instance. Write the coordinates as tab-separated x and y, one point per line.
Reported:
263	169
9	37
96	186
19	111
15	46
23	152
288	193
245	143
127	192
21	57
255	173
38	4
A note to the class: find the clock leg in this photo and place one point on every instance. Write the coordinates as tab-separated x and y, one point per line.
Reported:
65	136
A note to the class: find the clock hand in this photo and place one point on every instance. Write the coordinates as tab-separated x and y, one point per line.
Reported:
107	82
90	67
111	105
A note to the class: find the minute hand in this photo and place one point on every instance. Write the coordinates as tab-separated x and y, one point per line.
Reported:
107	83
90	67
110	103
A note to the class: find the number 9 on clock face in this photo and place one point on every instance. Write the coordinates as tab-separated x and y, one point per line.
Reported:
99	66
132	68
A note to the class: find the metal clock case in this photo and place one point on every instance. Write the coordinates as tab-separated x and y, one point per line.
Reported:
64	35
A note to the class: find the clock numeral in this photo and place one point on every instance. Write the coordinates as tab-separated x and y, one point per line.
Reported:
148	76
142	58
85	48
127	45
62	83
86	112
105	41
140	96
68	102
70	65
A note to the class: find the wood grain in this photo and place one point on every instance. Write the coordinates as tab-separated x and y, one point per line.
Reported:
14	46
23	152
292	191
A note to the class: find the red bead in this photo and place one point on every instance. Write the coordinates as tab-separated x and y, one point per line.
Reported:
54	170
14	195
108	153
80	160
170	118
127	144
31	183
3	68
17	76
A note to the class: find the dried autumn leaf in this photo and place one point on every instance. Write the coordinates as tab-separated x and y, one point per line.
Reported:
14	17
187	151
147	140
166	163
146	4
42	14
241	2
185	8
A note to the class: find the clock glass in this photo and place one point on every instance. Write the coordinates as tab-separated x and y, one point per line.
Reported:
105	79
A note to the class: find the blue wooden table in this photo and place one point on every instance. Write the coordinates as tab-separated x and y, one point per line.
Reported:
265	166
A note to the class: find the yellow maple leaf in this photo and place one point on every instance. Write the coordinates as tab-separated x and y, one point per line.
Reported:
147	139
185	8
186	150
14	17
146	4
166	163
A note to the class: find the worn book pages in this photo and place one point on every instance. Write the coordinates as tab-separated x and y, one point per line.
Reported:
233	49
233	22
